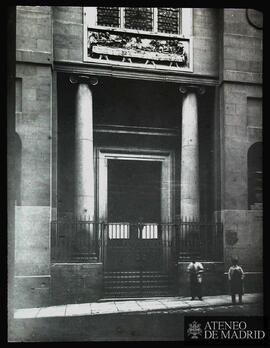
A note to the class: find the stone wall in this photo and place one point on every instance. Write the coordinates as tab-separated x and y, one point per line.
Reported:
242	52
76	282
33	127
240	127
34	34
206	41
243	238
68	33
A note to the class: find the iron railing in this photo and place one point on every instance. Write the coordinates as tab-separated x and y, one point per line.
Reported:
199	240
76	240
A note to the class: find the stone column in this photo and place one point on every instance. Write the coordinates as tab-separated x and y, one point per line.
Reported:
84	188
190	190
190	195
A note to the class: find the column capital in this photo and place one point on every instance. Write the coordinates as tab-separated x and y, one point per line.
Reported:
184	89
91	80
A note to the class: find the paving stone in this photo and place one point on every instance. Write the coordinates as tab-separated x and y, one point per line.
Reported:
217	301
102	308
128	306
174	299
78	309
53	311
151	305
175	304
26	313
250	298
196	303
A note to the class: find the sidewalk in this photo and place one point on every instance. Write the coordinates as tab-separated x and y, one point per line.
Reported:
124	306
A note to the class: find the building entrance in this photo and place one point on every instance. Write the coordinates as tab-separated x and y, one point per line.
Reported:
133	238
133	215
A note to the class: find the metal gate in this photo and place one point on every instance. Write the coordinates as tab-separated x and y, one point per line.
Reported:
139	258
134	260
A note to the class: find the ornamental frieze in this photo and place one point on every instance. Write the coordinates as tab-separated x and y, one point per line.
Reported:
131	48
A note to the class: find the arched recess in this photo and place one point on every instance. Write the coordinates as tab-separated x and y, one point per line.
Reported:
255	176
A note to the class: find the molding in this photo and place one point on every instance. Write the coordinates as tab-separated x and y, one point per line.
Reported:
243	76
136	130
240	82
35	57
35	9
71	264
256	127
54	144
103	154
133	73
33	276
67	22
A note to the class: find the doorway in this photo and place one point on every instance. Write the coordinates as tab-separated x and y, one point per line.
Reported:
139	170
134	200
134	191
134	212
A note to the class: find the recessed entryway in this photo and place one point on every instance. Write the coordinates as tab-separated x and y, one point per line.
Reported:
134	199
143	176
134	191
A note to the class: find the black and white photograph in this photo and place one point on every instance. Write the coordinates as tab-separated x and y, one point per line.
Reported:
135	174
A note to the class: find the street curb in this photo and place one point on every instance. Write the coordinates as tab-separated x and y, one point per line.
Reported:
175	310
184	306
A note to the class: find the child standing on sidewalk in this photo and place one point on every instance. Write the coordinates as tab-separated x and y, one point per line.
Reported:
236	276
195	270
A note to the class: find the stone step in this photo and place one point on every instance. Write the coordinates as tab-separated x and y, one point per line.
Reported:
135	274
136	293
129	276
135	283
136	279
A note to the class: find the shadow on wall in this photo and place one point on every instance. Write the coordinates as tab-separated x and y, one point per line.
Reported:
255	176
17	167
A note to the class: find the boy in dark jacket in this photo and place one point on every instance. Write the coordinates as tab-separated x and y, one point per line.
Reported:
236	276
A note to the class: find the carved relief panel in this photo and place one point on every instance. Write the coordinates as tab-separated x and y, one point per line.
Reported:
146	37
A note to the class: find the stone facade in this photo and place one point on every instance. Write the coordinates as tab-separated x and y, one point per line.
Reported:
33	126
80	281
226	55
241	92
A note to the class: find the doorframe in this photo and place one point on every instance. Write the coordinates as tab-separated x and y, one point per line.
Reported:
103	154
